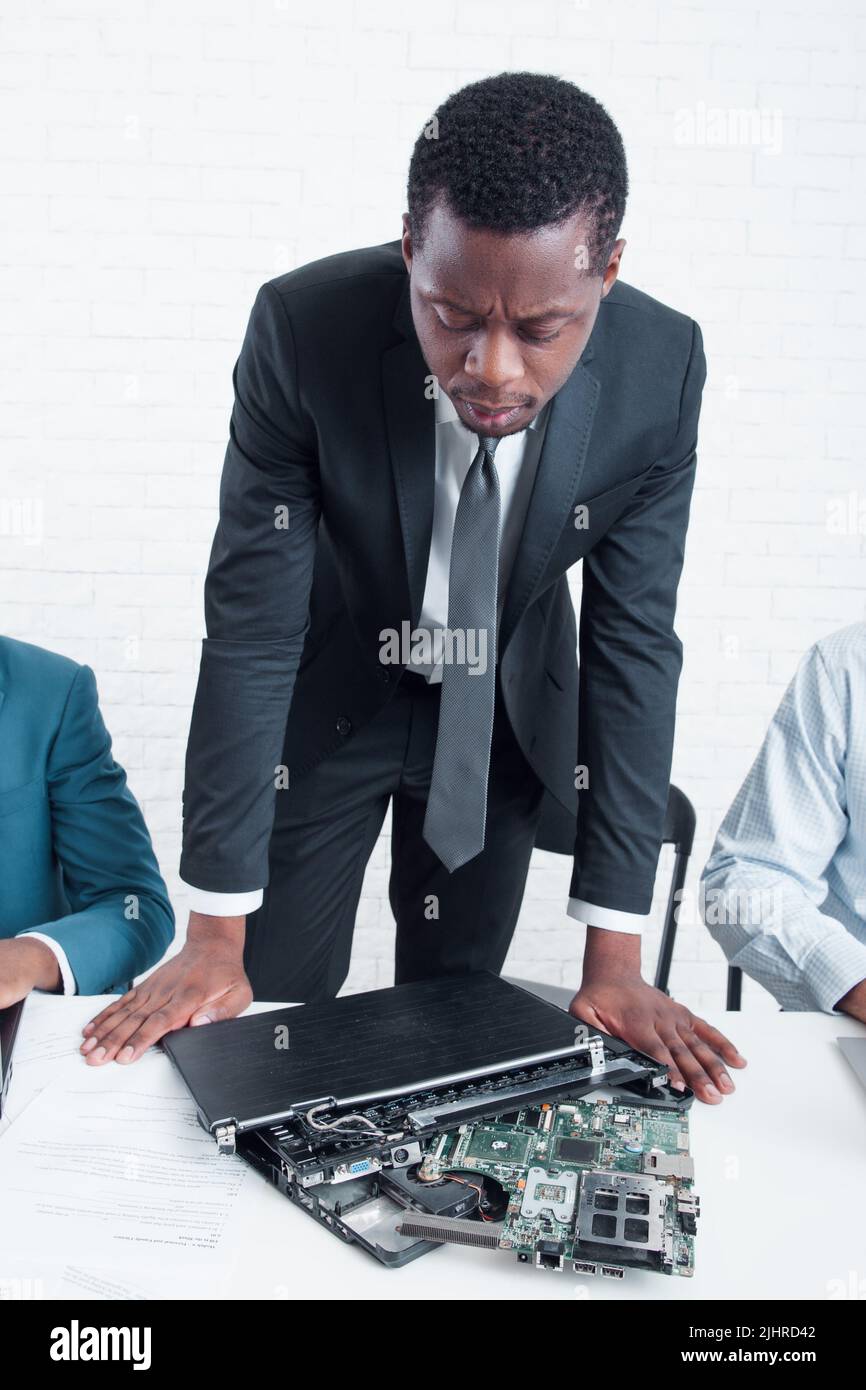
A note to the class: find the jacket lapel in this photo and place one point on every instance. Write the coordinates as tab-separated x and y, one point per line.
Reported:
560	466
411	425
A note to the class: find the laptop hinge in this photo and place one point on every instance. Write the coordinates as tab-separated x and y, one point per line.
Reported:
596	1054
225	1136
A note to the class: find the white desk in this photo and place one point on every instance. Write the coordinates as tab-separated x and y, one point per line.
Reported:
780	1168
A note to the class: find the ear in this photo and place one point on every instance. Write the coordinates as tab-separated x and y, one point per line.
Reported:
612	268
406	243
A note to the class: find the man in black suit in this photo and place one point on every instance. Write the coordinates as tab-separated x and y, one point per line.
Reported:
427	435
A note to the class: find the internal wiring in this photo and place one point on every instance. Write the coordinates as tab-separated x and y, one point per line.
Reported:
478	1188
341	1125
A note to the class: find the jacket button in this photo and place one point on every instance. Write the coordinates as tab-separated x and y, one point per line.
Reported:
344	725
384	676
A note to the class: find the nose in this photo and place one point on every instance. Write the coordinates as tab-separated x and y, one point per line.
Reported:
494	360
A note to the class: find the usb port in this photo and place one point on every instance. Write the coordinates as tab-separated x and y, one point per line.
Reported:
612	1272
584	1267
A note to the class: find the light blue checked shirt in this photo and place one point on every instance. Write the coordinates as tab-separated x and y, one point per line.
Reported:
784	891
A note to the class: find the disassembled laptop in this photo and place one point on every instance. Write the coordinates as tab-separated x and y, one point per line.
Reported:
575	1160
592	1185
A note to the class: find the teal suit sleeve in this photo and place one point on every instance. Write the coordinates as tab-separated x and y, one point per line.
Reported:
120	921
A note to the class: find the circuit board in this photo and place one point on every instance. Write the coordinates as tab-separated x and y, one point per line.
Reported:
593	1184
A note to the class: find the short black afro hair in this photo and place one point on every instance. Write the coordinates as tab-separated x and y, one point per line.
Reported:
521	151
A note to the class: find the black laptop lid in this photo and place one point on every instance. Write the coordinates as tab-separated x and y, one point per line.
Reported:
365	1046
9	1021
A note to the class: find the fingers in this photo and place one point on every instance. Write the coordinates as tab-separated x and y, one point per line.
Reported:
228	1006
671	1040
649	1038
170	1005
700	1067
131	1027
695	1053
96	1024
139	1028
657	1049
700	1053
151	1028
709	1060
185	1008
719	1042
112	1019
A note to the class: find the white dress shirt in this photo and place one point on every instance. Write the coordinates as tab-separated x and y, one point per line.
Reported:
516	461
784	891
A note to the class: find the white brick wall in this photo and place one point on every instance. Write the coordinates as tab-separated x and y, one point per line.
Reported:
160	160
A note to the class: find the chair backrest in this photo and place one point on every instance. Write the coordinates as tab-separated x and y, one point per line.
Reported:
679	831
680	822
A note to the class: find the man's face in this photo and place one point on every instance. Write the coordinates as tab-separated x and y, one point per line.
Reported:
502	319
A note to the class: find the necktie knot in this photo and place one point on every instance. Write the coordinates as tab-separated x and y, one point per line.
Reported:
488	443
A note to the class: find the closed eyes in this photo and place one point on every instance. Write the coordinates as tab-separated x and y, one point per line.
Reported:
528	337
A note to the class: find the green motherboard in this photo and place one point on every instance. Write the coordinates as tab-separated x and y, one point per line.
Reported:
594	1185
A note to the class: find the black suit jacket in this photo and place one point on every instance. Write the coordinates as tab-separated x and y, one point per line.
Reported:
333	420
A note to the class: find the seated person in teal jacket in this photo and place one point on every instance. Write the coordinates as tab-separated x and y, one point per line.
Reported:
83	907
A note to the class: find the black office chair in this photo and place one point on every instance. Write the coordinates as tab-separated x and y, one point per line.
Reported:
735	988
679	831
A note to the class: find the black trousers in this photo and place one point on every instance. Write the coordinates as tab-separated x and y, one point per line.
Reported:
299	942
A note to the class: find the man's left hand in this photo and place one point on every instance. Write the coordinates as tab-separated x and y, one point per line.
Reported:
696	1054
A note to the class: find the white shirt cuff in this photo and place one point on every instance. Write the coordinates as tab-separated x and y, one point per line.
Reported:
608	918
67	979
223	904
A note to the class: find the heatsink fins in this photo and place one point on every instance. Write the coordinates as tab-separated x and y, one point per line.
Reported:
452	1230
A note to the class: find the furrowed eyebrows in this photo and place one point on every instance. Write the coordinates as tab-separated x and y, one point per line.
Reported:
556	311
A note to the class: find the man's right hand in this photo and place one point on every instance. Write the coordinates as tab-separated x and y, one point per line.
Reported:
204	982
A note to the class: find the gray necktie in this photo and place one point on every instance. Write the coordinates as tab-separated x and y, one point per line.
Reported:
457	801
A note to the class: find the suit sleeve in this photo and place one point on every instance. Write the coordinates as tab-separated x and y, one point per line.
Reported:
120	921
630	662
257	596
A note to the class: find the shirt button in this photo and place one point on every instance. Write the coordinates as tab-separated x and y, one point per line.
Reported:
344	725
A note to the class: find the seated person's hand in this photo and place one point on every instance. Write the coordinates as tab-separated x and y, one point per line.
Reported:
25	964
204	982
645	1018
854	1002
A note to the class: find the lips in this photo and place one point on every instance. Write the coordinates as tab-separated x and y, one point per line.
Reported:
487	415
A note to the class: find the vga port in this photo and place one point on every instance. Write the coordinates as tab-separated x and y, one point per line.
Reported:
357	1168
